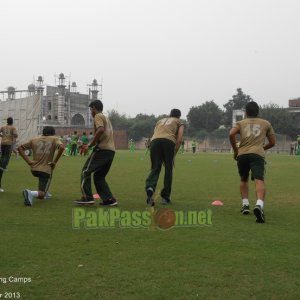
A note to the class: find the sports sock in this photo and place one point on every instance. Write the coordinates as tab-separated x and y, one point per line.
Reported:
34	194
260	203
245	201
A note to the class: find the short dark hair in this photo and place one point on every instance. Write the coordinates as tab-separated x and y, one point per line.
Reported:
48	131
10	121
97	104
176	113
252	109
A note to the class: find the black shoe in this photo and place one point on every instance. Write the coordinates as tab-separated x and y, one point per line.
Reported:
245	210
110	202
84	202
259	214
150	200
165	201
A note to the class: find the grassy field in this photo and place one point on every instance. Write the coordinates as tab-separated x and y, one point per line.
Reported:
234	258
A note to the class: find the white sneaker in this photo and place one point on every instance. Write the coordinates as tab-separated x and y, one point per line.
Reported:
1	190
48	195
27	198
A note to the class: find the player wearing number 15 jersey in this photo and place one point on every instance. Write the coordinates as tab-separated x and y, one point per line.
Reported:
43	162
165	143
250	155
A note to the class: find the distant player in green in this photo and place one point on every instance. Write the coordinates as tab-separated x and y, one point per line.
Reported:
298	145
165	143
181	148
8	134
131	145
68	146
74	141
194	145
99	162
43	162
147	146
250	156
84	144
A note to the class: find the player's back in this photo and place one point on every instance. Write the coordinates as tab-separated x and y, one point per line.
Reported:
43	149
9	132
106	140
253	132
167	128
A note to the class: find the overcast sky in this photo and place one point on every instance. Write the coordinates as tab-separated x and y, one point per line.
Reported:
155	55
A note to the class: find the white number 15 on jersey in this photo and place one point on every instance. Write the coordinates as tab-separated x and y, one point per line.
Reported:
252	129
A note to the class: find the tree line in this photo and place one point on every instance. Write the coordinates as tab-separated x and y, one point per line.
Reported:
208	119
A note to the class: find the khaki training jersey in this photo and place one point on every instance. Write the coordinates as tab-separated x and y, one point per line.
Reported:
167	128
253	132
43	148
106	140
9	133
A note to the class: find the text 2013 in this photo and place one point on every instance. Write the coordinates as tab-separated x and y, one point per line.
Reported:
10	295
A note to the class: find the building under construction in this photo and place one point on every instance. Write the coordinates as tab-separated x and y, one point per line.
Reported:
60	106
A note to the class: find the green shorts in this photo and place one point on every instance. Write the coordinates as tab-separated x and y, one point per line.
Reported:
44	180
253	162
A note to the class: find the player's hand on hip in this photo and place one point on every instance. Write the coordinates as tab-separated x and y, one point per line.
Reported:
52	164
235	154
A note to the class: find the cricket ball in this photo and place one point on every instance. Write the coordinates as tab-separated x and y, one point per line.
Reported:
165	218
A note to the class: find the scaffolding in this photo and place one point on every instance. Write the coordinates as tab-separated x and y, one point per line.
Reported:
25	112
60	106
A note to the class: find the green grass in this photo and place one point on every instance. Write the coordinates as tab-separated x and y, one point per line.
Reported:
234	258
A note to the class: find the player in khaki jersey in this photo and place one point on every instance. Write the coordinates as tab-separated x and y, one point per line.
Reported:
165	143
100	160
250	156
43	163
8	134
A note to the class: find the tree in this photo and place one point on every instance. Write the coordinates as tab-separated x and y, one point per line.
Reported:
282	121
207	116
162	116
119	122
238	101
142	126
